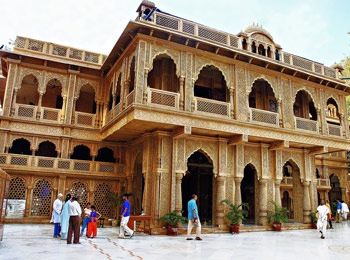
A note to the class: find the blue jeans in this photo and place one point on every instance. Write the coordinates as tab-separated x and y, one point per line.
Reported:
57	230
85	225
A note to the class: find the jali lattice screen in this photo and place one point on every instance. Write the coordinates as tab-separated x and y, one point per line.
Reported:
79	189
41	201
101	202
17	190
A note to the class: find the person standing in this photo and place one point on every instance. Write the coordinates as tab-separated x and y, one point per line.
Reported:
338	214
65	217
125	218
87	212
74	225
92	228
56	215
193	218
329	215
345	210
323	212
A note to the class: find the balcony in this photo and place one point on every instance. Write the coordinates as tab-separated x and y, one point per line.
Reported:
334	130
24	162
130	98
29	112
213	107
287	181
162	98
84	119
306	124
264	117
323	183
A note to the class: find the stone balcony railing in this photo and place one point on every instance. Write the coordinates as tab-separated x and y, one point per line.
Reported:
325	183
306	124
200	31
23	111
68	165
213	107
335	130
163	98
287	181
60	51
263	116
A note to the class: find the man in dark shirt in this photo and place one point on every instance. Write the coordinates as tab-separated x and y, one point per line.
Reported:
125	218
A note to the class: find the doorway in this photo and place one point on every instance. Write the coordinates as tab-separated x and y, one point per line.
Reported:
139	185
248	185
199	180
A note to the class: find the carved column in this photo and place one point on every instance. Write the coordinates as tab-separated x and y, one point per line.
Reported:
182	81
192	96
63	110
113	101
102	113
157	197
307	204
145	87
342	124
38	112
126	92
178	202
279	107
97	113
220	181
28	201
232	103
278	192
263	202
73	110
238	197
13	107
320	123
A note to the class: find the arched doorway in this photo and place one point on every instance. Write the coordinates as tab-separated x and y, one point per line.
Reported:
139	185
335	192
248	191
262	96
46	149
20	146
199	180
287	202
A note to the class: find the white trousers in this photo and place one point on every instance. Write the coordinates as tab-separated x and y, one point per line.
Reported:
124	227
322	226
345	215
190	227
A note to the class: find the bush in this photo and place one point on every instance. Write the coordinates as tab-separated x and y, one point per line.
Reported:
279	216
173	218
236	212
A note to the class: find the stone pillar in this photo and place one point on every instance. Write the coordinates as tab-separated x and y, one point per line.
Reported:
178	202
38	112
97	114
320	123
73	110
279	111
220	216
232	103
145	87
63	111
238	197
278	192
263	202
182	98
157	197
192	96
306	205
343	125
102	110
13	107
28	201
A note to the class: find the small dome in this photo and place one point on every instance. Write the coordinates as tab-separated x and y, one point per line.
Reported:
257	29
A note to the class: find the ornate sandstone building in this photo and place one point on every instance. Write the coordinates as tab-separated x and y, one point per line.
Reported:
176	108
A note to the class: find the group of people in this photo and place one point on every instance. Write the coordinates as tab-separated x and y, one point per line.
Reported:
324	214
66	217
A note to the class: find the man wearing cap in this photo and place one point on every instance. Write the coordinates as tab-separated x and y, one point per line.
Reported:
56	215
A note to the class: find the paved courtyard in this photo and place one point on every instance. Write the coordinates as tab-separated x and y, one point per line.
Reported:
36	242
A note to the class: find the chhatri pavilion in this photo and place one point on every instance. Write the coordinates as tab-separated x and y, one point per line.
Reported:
175	108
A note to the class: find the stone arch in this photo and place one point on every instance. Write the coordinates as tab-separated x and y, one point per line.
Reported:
21	146
46	149
336	100
28	90
26	72
171	56
81	152
105	154
207	154
217	66
82	82
88	103
307	91
263	77
59	77
294	99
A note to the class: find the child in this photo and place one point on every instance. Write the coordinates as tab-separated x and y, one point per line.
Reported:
92	227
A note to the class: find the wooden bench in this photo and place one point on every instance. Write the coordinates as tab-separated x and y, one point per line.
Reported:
144	219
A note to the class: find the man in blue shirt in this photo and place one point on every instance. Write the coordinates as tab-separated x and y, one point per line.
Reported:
125	218
193	218
339	211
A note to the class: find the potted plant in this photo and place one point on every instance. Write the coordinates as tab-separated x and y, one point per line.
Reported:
313	219
115	200
171	221
236	213
279	216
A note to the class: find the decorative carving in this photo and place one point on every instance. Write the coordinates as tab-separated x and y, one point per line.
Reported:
84	81
29	71
173	54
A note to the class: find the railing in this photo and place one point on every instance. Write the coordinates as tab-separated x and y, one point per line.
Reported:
335	130
130	98
59	50
323	182
204	105
26	161
25	111
207	33
50	114
287	181
163	98
85	119
115	111
263	116
306	124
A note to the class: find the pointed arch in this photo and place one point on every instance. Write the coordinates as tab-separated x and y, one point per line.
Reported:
170	55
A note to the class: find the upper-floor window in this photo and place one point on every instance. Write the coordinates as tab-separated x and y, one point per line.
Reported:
244	44
261	50
28	93
253	47
332	115
53	95
163	74
211	84
304	106
262	96
86	101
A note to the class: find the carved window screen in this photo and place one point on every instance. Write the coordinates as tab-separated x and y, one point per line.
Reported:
79	189
41	201
102	204
17	190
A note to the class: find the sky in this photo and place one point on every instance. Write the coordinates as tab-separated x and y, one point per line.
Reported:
314	29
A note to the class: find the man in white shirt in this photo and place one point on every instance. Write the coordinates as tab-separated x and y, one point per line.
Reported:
56	215
74	221
345	210
323	212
